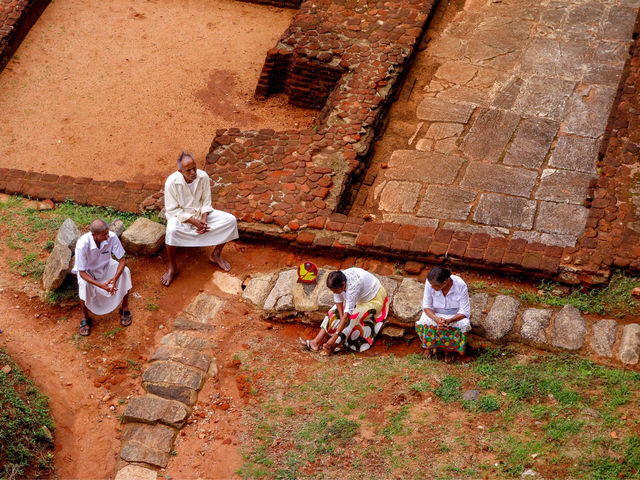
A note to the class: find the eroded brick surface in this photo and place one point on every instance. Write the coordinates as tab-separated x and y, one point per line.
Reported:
16	18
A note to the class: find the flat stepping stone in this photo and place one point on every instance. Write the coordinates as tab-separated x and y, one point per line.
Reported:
200	313
149	409
149	444
184	340
569	329
191	358
173	381
136	472
501	318
227	283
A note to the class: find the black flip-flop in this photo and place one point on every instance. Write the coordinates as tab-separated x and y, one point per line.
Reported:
125	318
85	323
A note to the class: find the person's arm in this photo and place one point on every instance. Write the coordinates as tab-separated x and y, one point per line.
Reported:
427	304
344	316
117	250
172	205
464	307
89	279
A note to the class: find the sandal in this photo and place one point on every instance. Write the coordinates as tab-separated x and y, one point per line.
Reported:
306	344
125	318
85	327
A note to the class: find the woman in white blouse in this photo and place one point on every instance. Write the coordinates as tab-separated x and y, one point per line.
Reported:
357	317
445	306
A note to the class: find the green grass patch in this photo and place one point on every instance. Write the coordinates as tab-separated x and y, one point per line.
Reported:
26	441
449	389
613	300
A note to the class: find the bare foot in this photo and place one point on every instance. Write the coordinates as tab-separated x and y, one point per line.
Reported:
221	262
449	358
168	277
427	353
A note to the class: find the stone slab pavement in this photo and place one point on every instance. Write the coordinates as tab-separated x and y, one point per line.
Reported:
511	118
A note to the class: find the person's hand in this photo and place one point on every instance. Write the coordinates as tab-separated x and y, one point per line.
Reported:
111	286
441	322
201	226
329	344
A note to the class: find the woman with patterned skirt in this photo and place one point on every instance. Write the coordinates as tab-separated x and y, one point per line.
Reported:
357	317
444	322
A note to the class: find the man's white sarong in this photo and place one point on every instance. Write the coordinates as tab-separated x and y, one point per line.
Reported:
222	229
99	301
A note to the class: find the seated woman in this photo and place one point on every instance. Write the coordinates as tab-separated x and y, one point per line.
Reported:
445	318
358	315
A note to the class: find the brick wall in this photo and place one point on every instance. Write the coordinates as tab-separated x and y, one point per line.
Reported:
124	196
16	18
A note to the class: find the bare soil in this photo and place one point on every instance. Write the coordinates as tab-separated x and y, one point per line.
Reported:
130	84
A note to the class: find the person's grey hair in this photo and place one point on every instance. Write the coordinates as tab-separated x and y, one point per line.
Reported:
184	155
98	226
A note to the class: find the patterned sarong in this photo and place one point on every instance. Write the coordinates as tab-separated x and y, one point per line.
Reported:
365	322
450	339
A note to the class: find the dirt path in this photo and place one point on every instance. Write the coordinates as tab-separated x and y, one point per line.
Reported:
133	83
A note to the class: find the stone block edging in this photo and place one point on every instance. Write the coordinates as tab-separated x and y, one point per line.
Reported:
496	318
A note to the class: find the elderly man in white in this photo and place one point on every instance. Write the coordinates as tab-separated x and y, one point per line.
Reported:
103	283
191	219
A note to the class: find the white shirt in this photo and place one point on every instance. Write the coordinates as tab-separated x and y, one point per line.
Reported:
181	203
361	287
94	259
457	297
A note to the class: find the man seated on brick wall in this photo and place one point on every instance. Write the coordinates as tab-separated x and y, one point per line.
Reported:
191	219
103	283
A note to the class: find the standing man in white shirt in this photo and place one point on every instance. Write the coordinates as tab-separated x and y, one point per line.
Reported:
103	283
191	219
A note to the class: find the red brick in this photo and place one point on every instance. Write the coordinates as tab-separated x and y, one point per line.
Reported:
400	245
371	228
317	223
334	226
553	251
437	248
324	241
535	247
413	268
493	255
549	264
479	240
531	260
305	238
383	239
516	245
474	253
406	232
459	235
420	243
365	240
390	227
512	258
457	248
442	236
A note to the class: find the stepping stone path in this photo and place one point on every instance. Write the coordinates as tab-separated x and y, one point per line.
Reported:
499	319
179	367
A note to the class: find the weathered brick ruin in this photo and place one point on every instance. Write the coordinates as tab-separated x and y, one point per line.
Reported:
349	58
16	18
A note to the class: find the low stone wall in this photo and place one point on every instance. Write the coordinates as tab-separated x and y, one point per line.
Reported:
16	19
498	319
